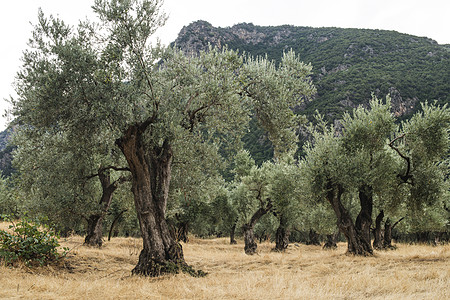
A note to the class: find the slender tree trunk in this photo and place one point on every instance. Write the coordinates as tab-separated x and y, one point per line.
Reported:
116	219
388	227
232	232
331	242
150	167
282	235
357	245
378	232
94	236
313	238
387	242
249	235
182	232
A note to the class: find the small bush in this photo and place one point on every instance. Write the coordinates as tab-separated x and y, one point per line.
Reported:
30	242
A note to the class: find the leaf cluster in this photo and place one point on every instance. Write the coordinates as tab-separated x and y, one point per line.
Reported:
31	242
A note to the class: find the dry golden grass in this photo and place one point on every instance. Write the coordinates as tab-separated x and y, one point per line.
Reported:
303	272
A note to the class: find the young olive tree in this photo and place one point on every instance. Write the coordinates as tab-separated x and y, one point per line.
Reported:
251	198
105	80
56	180
258	191
284	176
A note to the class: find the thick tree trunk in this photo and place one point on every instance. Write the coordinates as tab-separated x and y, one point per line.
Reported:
232	232
150	167
94	236
282	235
331	242
249	240
249	236
378	232
364	218
357	245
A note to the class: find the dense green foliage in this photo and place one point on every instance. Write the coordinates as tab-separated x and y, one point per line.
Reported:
399	169
29	241
99	97
348	66
8	198
6	149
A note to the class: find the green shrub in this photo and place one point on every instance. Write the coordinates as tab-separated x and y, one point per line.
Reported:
29	241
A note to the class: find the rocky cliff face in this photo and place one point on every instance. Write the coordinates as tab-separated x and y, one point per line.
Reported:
349	64
196	36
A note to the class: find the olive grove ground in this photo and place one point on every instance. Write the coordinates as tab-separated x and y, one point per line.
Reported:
303	272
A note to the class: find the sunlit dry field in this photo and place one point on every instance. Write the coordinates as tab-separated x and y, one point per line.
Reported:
303	272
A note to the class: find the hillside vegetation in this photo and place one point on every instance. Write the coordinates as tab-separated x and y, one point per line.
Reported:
348	64
303	272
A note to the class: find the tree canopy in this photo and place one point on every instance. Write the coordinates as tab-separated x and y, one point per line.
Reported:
109	90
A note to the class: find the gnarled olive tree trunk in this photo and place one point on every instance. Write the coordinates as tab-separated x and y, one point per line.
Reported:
150	167
364	218
378	232
94	236
249	235
388	227
282	235
232	233
357	244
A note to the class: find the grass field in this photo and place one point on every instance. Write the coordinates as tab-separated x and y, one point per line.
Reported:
303	272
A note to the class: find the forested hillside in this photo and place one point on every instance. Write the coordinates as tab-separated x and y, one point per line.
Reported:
348	64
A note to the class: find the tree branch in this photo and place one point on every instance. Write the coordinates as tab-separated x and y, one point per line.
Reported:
395	224
260	212
407	175
186	109
101	170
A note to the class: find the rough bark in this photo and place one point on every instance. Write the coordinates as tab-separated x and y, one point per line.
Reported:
282	235
150	167
357	245
378	232
364	218
249	235
94	236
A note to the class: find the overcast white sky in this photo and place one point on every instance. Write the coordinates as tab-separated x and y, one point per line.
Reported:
429	18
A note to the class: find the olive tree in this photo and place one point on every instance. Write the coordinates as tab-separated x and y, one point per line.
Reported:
379	164
57	180
106	80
